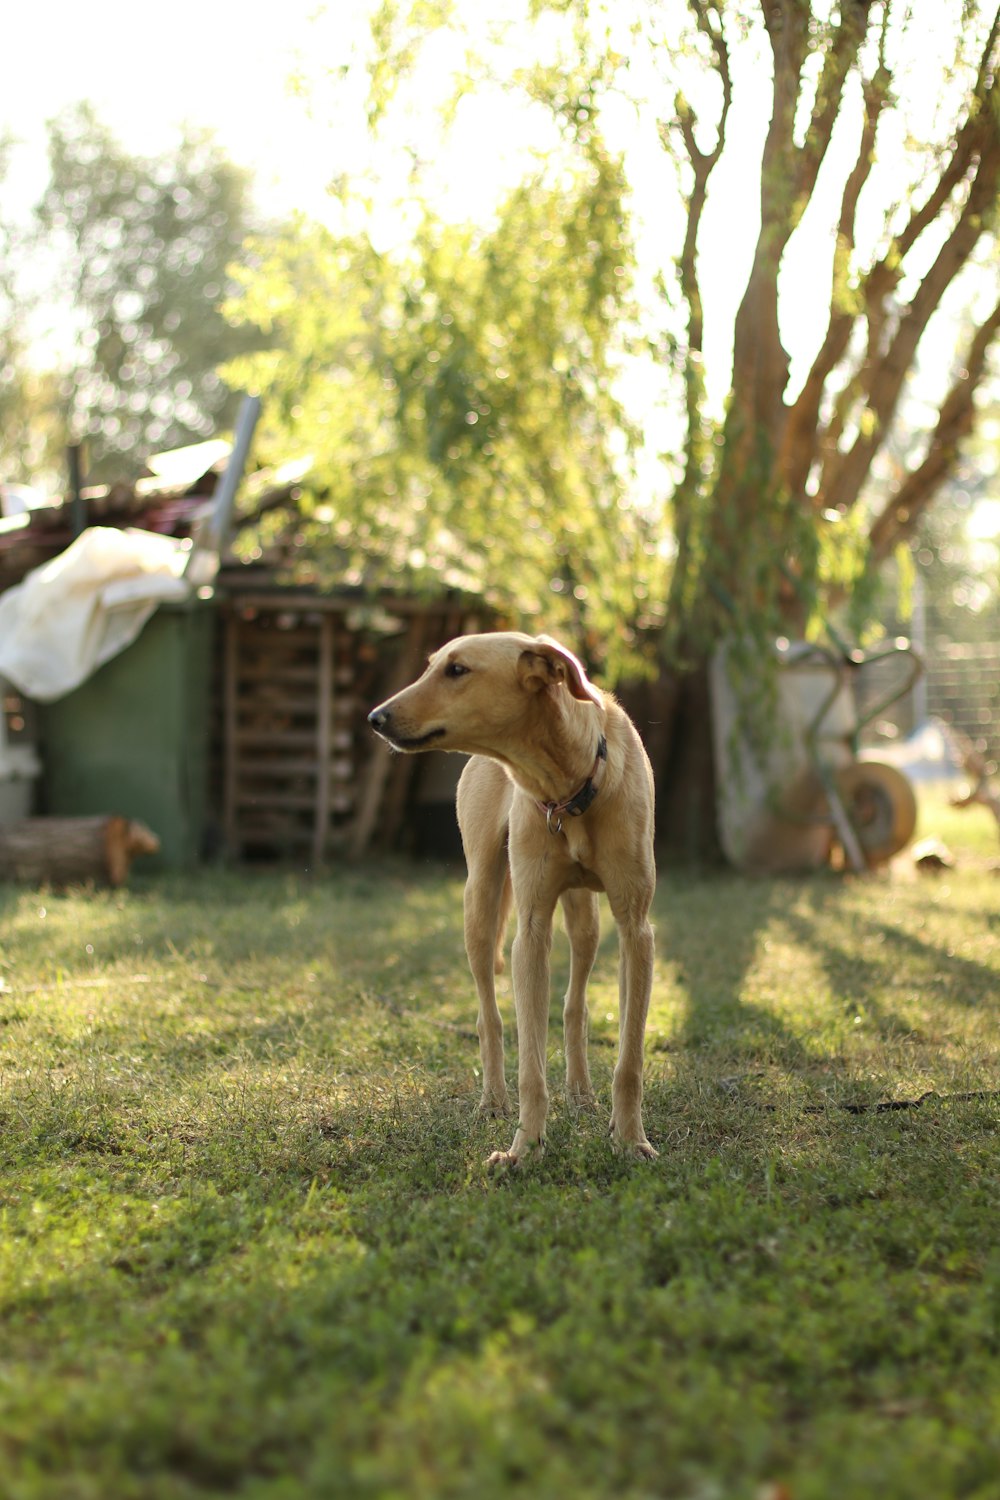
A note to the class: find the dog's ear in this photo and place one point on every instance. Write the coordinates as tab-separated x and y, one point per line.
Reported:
546	663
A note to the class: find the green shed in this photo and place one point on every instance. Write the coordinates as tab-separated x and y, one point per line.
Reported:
134	738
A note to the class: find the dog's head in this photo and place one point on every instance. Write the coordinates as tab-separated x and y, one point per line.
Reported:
477	690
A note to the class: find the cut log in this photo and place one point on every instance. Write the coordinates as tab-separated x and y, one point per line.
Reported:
68	851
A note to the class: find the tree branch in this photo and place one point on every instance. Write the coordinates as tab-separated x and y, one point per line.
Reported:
973	138
800	432
900	516
877	380
885	376
703	163
968	142
760	361
841	54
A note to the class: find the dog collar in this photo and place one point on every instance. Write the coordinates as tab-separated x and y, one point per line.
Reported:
575	806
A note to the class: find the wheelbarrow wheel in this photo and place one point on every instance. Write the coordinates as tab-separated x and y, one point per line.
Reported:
881	806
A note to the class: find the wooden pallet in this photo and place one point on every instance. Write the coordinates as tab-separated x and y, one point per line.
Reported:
302	774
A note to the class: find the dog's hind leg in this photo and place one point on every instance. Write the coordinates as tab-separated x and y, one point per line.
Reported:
581	914
503	917
630	906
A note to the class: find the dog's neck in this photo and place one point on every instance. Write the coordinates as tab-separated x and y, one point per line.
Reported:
560	755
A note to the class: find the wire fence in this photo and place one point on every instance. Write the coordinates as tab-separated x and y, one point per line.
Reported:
959	686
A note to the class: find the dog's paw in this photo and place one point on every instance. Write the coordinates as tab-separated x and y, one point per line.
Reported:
522	1147
634	1146
494	1106
502	1162
581	1096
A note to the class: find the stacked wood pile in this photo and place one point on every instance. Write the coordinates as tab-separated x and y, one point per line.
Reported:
302	774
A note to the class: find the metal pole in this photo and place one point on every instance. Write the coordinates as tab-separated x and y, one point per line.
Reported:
210	541
225	493
78	506
920	641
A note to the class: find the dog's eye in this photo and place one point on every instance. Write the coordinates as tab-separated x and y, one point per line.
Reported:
455	669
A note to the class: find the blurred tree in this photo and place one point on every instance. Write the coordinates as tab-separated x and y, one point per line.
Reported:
31	432
457	400
780	506
151	243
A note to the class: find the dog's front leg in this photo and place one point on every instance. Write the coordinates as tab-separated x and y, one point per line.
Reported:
486	907
530	973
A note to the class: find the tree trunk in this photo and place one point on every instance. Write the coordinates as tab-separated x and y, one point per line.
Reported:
673	716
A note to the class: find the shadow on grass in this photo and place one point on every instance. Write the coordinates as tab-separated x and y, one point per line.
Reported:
966	981
341	1304
711	961
938	972
318	1052
285	1297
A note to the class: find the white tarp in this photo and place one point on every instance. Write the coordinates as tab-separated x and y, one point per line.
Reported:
71	615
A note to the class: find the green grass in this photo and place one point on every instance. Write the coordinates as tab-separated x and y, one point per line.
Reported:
249	1246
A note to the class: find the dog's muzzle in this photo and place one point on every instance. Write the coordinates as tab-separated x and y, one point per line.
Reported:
381	721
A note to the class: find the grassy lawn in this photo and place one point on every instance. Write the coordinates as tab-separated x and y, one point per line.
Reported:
249	1247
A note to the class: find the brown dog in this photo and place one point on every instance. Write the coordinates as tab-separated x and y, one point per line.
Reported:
555	805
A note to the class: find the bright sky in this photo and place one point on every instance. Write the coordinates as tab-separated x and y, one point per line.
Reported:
148	68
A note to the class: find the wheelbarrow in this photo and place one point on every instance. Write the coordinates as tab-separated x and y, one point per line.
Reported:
811	790
870	805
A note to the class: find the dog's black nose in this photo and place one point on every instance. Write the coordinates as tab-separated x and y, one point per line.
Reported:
378	718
